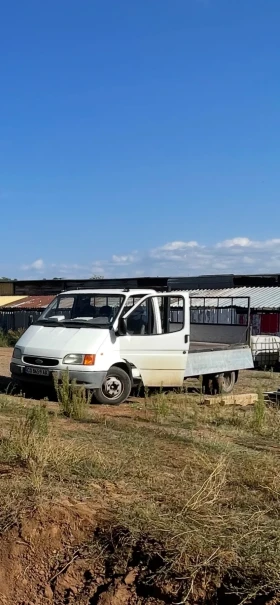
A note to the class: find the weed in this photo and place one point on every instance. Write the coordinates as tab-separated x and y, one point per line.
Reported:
33	444
3	339
208	493
13	336
159	406
5	402
258	419
10	338
72	398
201	390
28	444
217	414
37	420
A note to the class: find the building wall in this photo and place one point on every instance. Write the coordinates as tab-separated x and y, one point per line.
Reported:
6	288
265	323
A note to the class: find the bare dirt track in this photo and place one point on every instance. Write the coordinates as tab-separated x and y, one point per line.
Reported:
5	356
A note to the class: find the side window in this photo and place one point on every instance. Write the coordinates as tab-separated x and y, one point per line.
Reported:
141	321
137	321
131	301
172	312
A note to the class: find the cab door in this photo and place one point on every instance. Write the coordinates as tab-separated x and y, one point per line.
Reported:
157	339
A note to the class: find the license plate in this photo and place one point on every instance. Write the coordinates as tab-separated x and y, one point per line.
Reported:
37	371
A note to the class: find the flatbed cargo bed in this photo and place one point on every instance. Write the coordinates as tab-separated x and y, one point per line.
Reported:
200	347
207	358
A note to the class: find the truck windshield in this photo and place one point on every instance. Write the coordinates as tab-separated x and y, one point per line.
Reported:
88	309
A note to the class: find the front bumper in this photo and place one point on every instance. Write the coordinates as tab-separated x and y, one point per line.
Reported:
89	380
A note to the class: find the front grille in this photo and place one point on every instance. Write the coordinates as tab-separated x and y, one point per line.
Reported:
40	362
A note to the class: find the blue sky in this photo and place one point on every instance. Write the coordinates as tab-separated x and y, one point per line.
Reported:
139	137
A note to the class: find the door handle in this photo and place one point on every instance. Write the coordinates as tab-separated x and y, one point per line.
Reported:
186	338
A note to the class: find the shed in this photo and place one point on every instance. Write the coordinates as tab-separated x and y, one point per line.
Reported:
264	305
15	315
9	300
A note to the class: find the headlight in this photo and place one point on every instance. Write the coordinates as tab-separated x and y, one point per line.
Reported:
78	359
17	353
73	358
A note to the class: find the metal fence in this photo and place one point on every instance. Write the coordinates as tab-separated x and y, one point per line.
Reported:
17	319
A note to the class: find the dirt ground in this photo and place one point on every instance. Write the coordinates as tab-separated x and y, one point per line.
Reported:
159	500
5	356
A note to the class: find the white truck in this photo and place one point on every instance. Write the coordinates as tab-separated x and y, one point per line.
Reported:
112	340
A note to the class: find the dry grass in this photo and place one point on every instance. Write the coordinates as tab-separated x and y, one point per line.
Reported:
73	399
203	481
252	381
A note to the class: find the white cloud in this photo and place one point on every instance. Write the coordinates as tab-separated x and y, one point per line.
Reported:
236	241
180	245
245	242
125	259
236	255
37	265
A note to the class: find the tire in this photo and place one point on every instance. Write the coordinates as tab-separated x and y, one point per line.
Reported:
115	389
224	383
208	384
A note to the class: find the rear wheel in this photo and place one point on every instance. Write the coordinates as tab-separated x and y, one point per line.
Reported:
225	382
115	388
208	384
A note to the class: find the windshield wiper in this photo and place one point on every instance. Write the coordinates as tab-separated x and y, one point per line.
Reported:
48	322
68	323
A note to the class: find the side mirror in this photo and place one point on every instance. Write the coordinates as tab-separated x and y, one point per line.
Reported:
122	327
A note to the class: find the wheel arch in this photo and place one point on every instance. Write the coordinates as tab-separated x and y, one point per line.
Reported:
124	366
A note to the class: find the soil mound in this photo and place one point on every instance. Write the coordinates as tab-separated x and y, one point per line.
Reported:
66	553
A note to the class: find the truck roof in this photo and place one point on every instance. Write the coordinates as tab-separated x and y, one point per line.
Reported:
111	292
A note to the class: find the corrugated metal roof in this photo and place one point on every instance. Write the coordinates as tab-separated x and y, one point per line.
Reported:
8	300
260	298
30	302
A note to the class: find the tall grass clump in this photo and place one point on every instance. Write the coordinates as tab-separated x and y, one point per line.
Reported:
157	405
10	338
73	399
259	413
33	444
3	339
28	444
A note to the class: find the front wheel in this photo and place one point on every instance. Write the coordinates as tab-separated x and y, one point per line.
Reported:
115	388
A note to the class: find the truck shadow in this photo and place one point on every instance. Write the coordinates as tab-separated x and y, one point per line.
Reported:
7	387
5	384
